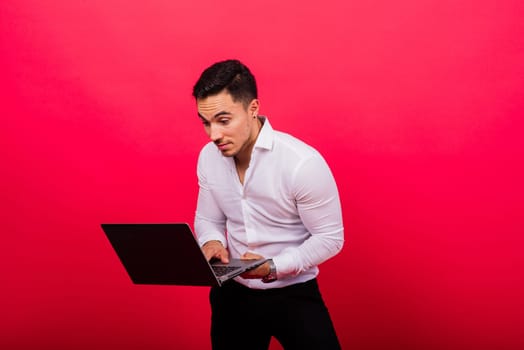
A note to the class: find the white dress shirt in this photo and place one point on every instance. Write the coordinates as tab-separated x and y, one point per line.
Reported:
288	208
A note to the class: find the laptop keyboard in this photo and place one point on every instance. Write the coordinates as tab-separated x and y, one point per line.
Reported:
222	270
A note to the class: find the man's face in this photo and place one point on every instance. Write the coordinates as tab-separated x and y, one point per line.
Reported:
230	125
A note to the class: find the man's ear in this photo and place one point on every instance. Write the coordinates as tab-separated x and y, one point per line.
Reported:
254	107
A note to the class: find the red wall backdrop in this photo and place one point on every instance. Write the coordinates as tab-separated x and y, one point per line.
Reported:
416	105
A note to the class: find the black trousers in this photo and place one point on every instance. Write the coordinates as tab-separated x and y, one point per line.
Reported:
244	318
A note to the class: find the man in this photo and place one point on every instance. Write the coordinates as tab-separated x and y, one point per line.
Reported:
263	193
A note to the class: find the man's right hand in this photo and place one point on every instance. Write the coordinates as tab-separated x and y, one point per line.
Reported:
215	249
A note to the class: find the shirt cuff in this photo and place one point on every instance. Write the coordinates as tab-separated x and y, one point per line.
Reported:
206	238
287	263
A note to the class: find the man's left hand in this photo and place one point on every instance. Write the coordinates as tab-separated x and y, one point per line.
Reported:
256	273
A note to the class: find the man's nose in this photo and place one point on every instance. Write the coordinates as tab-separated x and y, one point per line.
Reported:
215	133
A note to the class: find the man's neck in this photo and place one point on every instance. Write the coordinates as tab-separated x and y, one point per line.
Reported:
243	158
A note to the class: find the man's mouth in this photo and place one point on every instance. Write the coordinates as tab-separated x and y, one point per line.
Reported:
222	146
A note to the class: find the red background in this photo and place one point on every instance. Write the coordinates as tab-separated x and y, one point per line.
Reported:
416	105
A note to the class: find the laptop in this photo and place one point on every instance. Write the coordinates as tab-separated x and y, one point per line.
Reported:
169	254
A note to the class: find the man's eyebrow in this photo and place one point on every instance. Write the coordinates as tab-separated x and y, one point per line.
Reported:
215	116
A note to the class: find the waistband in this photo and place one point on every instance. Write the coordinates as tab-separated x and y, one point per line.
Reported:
233	285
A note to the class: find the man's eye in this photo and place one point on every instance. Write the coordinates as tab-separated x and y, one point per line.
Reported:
224	121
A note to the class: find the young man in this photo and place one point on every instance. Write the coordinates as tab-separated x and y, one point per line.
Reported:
263	193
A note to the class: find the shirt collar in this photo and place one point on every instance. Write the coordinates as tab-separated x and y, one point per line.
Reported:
266	135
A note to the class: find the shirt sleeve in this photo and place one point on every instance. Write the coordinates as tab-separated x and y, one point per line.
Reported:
318	205
210	221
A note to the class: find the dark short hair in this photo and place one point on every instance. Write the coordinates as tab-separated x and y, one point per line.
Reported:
229	75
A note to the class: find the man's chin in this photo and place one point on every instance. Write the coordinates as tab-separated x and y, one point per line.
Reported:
228	153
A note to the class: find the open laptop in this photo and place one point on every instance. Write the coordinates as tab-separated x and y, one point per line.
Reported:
169	254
